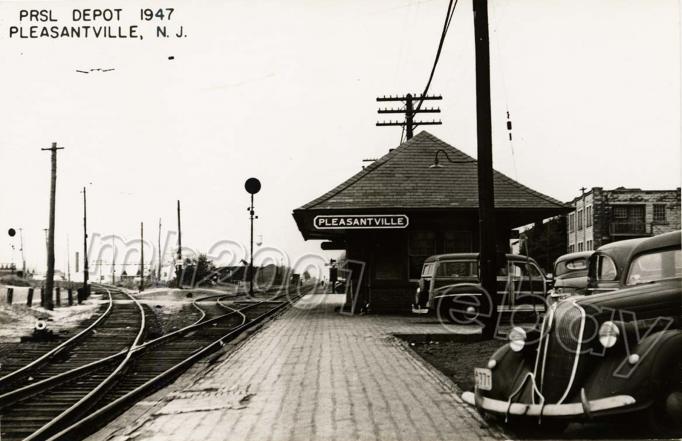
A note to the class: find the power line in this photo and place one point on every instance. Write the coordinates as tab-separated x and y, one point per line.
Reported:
448	19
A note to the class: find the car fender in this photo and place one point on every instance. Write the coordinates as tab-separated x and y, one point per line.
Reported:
615	374
509	370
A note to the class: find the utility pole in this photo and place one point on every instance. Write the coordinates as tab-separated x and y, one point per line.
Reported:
178	265
158	274
49	278
141	256
86	269
23	259
410	111
113	261
68	260
486	189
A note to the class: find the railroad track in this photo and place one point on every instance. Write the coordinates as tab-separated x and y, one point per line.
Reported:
71	404
33	350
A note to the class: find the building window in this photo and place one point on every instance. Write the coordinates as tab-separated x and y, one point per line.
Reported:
580	246
588	247
588	216
422	244
659	213
571	222
620	212
571	248
580	220
456	242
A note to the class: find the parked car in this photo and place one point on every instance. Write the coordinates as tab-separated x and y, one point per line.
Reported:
608	264
608	354
450	287
570	276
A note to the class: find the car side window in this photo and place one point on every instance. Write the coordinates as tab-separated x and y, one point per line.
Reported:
606	268
655	266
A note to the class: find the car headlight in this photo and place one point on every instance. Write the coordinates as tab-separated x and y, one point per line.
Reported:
608	334
517	339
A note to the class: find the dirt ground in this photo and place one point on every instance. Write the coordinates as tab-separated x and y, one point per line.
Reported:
457	360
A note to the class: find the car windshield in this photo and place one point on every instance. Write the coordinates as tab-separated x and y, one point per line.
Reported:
457	268
655	266
427	271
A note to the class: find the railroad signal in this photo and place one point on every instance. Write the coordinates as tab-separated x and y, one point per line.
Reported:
11	232
252	186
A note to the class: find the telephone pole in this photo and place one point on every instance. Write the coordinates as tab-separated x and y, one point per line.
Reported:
486	190
141	256
410	112
86	269
23	259
158	274
178	265
49	278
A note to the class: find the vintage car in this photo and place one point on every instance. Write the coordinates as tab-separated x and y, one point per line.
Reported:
601	355
450	287
608	264
570	276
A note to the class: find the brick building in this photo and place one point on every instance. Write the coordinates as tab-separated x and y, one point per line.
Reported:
601	216
401	209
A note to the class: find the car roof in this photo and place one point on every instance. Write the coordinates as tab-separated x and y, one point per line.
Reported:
665	240
620	250
571	256
469	256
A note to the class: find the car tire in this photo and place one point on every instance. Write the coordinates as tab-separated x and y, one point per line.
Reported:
455	309
656	417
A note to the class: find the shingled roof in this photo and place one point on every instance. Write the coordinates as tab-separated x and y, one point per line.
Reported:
403	179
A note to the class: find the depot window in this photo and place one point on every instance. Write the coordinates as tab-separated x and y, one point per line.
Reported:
421	244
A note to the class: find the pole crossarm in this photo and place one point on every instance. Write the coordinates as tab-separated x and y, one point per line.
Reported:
410	111
409	96
414	124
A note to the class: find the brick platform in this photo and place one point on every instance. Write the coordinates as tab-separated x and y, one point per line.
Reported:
312	374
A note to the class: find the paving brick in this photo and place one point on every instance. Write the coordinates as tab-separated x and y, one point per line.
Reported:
312	374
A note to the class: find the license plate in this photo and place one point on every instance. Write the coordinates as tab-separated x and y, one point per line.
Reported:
484	378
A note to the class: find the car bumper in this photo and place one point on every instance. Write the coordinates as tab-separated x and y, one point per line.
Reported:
551	410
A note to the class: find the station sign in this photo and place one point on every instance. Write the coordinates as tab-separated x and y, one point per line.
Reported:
360	221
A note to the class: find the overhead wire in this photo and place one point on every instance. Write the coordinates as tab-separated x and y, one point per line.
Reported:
452	5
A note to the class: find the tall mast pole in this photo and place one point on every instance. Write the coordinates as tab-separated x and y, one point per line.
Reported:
178	268
158	274
23	259
86	269
49	278
486	190
141	256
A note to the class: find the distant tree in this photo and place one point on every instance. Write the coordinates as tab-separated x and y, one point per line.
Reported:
198	271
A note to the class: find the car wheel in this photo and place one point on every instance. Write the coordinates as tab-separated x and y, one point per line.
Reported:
464	310
664	416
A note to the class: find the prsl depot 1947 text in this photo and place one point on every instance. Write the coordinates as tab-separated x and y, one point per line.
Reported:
96	23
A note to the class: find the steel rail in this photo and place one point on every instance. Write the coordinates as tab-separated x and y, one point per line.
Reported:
45	430
69	432
53	352
21	393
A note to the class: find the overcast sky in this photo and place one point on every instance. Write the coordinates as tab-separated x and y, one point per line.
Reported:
285	91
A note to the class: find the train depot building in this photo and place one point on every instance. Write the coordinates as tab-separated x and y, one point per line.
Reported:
407	206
